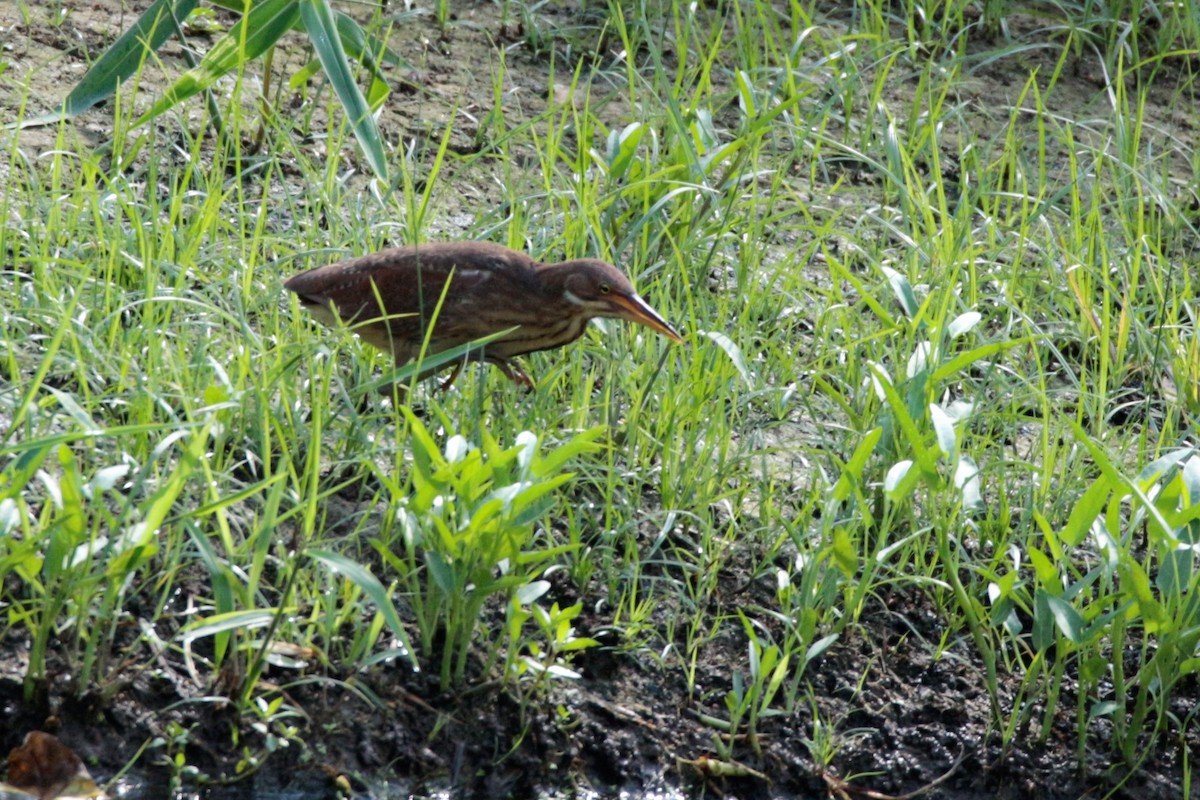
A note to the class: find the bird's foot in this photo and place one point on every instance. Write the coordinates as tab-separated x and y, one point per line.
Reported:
445	387
515	374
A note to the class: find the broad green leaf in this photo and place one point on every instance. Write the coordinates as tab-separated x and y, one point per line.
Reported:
222	587
734	352
1183	525
1093	669
21	470
70	484
966	479
361	577
1175	569
125	57
578	643
1085	512
622	147
745	88
322	29
1191	479
1066	618
530	592
853	472
1042	633
249	38
903	291
10	517
304	74
916	398
1047	573
556	459
358	43
1043	525
943	427
925	459
224	623
69	525
963	323
74	410
818	647
426	457
441	571
1118	480
918	360
950	368
844	554
158	506
894	482
1151	473
1136	586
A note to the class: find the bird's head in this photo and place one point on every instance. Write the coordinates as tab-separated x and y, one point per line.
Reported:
602	290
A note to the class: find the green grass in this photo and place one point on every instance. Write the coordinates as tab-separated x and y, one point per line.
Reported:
972	319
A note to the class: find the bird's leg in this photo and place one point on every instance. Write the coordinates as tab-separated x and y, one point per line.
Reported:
513	372
445	387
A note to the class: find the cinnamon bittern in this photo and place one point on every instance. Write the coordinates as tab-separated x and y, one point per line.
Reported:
389	299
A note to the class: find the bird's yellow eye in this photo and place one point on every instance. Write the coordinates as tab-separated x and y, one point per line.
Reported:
605	288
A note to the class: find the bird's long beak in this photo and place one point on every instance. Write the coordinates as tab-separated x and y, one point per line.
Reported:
634	309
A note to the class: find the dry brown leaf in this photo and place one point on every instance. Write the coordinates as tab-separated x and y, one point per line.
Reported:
45	768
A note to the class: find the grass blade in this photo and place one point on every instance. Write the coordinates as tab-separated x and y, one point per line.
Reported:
327	41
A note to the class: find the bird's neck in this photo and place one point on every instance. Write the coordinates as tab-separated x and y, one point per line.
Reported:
553	279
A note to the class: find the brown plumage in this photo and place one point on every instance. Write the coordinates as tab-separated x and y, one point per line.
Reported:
389	297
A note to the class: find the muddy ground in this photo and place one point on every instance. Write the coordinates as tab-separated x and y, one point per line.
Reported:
906	721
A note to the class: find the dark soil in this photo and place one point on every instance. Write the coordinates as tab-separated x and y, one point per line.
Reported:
903	721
